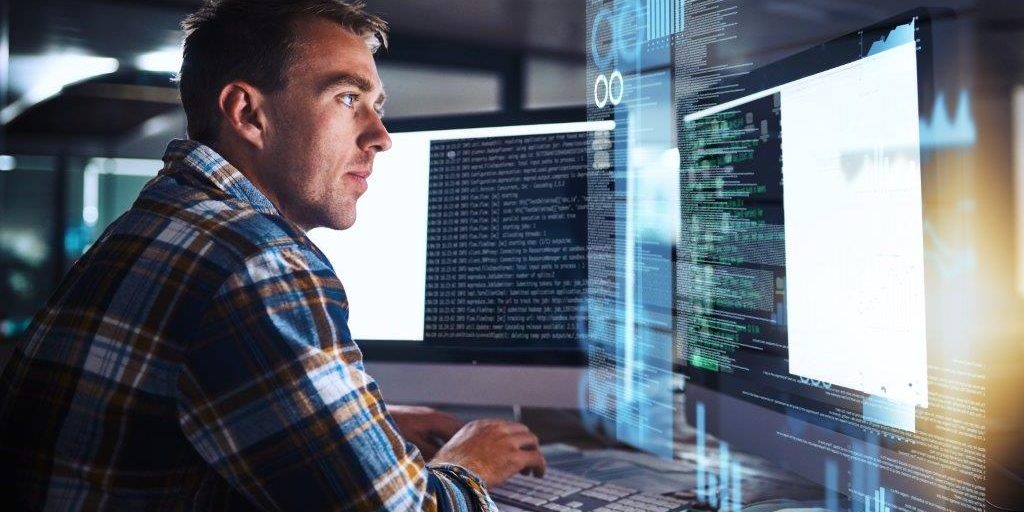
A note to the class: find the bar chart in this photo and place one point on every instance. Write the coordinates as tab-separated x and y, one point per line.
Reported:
722	489
664	18
877	503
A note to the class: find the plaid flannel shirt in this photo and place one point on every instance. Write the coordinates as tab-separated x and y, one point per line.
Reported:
198	357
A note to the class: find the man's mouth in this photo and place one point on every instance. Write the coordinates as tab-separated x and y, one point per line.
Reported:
359	179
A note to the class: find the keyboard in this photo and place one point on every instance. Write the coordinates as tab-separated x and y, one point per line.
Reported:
561	491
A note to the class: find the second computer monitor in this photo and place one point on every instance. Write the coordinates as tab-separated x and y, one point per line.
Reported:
467	264
804	324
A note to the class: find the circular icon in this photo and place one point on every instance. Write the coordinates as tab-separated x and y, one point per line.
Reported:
611	87
601	61
601	99
608	95
629	50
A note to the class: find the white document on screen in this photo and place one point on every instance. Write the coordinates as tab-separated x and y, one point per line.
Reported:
382	259
854	227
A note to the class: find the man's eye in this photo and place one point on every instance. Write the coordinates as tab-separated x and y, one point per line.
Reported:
348	99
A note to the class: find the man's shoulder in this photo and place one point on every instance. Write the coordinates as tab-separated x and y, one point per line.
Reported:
181	209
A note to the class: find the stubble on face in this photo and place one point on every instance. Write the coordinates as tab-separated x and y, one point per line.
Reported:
314	148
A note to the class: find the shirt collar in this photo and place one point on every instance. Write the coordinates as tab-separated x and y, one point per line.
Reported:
189	154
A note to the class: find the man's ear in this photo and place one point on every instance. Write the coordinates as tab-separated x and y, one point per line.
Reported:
243	112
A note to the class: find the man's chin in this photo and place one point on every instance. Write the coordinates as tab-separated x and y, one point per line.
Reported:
341	222
337	218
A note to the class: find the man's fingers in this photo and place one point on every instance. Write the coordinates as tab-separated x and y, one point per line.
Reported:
513	427
525	441
534	461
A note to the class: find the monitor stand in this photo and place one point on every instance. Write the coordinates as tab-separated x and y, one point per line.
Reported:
479	384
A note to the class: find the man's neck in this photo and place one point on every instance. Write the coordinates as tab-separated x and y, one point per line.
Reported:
244	160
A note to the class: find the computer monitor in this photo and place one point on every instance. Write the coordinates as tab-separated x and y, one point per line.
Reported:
467	263
806	327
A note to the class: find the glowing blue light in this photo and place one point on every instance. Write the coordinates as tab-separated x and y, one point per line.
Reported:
942	131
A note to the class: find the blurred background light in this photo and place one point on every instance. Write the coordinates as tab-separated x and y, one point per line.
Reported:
7	163
49	75
165	61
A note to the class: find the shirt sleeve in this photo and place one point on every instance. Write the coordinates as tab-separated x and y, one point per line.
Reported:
273	396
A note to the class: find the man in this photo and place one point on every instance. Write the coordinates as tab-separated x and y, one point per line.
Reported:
197	356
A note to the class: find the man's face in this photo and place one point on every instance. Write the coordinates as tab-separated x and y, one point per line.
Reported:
324	127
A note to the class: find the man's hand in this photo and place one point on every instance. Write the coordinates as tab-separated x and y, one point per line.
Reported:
424	427
494	450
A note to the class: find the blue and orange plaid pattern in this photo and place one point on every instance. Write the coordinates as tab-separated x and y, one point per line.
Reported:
198	357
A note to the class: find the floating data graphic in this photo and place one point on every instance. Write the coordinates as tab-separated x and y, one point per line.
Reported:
703	75
608	89
632	225
949	261
877	503
664	18
898	36
601	158
865	471
602	39
815	383
722	489
943	131
887	412
606	40
831	486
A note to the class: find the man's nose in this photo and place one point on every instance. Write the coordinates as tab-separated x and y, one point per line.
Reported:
375	136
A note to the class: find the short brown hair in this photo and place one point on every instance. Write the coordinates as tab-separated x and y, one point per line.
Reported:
251	40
